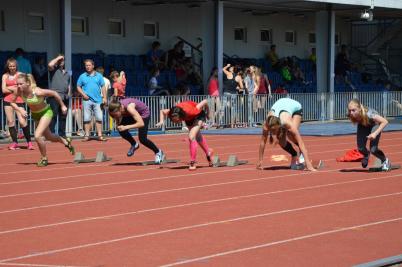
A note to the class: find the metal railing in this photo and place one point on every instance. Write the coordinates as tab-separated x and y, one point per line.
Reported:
243	110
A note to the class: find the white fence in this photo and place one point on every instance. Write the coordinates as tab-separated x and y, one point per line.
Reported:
247	110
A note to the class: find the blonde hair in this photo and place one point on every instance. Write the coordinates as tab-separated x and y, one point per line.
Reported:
25	77
364	120
31	80
274	125
28	78
258	71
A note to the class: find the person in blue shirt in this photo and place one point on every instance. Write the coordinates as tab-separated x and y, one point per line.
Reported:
154	56
91	87
23	64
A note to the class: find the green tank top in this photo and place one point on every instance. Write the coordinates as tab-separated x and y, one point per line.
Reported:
34	100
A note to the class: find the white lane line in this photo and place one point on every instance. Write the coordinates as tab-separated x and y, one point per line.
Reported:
188	205
126	182
120	155
201	225
170	190
36	265
270	244
151	168
121	182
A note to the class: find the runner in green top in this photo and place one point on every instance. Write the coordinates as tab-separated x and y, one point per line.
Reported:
41	113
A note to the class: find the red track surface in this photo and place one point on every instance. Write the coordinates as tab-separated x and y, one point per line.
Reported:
124	215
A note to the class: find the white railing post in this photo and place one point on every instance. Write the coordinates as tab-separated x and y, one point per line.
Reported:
162	102
323	115
69	119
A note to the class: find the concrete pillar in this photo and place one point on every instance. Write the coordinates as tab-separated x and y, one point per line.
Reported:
208	41
219	42
65	34
325	49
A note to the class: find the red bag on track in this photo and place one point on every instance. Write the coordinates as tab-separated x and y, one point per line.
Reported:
352	155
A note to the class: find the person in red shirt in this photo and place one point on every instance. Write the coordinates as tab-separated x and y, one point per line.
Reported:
119	84
281	90
9	88
194	115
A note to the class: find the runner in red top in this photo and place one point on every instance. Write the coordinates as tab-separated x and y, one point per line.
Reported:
194	115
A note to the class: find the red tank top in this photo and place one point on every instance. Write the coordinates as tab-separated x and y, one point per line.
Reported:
190	109
262	90
11	81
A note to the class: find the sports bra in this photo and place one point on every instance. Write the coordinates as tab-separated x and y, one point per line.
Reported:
34	100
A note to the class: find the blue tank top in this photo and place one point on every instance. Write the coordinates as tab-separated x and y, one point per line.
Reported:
286	104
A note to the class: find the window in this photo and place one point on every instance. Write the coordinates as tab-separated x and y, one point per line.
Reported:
337	38
79	25
36	22
266	36
240	34
116	27
311	38
151	29
2	21
290	37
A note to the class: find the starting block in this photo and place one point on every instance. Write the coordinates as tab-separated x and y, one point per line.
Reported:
100	157
378	166
316	164
232	161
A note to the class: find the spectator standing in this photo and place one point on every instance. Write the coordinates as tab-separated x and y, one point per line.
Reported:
40	72
23	64
9	88
108	85
91	87
213	91
59	82
231	83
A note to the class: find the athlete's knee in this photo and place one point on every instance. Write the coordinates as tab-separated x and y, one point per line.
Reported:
363	150
191	136
38	137
290	149
198	137
10	122
374	149
143	139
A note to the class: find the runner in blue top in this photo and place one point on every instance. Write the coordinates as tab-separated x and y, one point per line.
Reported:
283	122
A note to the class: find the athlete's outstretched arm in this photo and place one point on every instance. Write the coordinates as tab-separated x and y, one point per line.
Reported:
162	114
263	142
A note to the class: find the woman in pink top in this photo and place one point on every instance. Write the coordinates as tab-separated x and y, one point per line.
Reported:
9	87
213	91
119	84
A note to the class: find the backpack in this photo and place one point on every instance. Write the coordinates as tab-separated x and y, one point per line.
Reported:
352	155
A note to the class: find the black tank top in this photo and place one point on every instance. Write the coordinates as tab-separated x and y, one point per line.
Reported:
229	85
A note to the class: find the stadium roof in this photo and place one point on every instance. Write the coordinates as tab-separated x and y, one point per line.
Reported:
344	8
